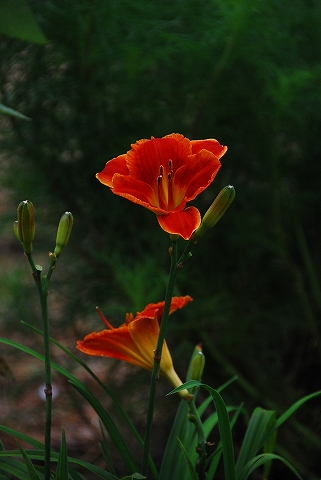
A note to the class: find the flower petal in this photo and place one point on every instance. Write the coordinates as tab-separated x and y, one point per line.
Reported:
146	157
116	343
144	332
182	223
136	191
157	308
197	174
116	165
210	144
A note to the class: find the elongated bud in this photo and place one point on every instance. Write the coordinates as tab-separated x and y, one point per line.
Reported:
198	364
26	225
63	233
15	229
216	210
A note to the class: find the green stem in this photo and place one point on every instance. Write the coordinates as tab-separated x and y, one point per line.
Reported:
42	285
157	355
175	266
201	445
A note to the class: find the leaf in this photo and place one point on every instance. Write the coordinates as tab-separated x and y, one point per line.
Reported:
214	459
252	442
188	384
172	465
105	417
17	20
269	446
288	414
191	469
123	414
10	111
39	455
15	468
62	465
259	460
134	476
33	475
225	433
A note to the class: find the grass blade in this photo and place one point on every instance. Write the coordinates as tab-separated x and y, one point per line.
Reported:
252	442
33	475
191	469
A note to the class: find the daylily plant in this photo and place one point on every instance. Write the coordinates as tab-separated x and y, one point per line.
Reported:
135	340
163	174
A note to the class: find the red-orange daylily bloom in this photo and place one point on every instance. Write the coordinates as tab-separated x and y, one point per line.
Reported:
163	174
135	341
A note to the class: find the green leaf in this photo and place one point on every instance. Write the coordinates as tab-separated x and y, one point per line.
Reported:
288	414
17	20
188	384
123	414
191	469
269	446
225	433
214	459
105	417
105	450
62	465
10	111
134	476
252	442
259	460
39	455
33	475
15	468
172	464
22	436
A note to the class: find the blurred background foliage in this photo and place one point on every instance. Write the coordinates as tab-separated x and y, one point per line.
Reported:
247	72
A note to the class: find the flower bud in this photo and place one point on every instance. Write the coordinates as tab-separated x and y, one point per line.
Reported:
26	225
63	233
16	230
216	210
198	364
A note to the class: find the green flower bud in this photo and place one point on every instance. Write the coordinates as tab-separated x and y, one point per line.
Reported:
26	225
63	232
216	210
198	364
15	229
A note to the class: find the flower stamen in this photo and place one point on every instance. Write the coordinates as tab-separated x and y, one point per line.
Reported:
104	319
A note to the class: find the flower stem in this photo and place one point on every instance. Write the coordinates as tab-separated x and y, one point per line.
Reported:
42	285
157	355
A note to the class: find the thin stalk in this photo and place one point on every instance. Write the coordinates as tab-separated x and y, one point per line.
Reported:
157	355
175	266
42	285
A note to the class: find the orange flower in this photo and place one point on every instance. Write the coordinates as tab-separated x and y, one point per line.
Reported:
135	341
163	174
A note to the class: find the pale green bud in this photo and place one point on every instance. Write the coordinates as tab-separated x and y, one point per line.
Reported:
16	230
216	210
26	225
198	364
63	233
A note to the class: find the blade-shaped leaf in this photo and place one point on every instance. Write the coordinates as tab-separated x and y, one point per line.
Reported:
191	469
252	442
62	465
259	460
17	20
33	475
